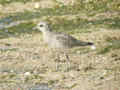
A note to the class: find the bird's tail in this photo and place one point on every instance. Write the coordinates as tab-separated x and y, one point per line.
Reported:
85	43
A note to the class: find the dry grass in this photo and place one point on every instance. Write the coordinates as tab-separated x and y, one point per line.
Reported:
33	56
25	60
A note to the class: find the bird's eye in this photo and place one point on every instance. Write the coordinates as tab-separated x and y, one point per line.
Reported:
41	25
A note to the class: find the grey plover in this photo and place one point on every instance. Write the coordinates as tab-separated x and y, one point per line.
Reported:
59	39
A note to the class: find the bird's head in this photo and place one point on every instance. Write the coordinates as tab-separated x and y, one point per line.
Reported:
43	26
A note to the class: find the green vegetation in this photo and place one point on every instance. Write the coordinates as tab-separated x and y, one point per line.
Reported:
77	24
57	15
96	21
10	1
113	44
18	30
87	5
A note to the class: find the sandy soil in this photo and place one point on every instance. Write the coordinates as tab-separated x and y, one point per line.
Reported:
26	60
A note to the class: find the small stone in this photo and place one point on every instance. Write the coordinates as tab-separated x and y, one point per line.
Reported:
27	73
8	0
36	5
11	71
93	47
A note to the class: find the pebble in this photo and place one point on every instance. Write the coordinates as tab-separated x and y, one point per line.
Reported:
27	73
93	47
36	5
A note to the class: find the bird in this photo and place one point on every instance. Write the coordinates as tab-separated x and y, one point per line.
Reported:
59	40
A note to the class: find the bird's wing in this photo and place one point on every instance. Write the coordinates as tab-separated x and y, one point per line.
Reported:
66	39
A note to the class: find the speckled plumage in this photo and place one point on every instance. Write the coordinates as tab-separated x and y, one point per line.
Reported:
58	39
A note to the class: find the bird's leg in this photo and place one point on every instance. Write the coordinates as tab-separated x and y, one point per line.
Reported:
57	62
67	61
